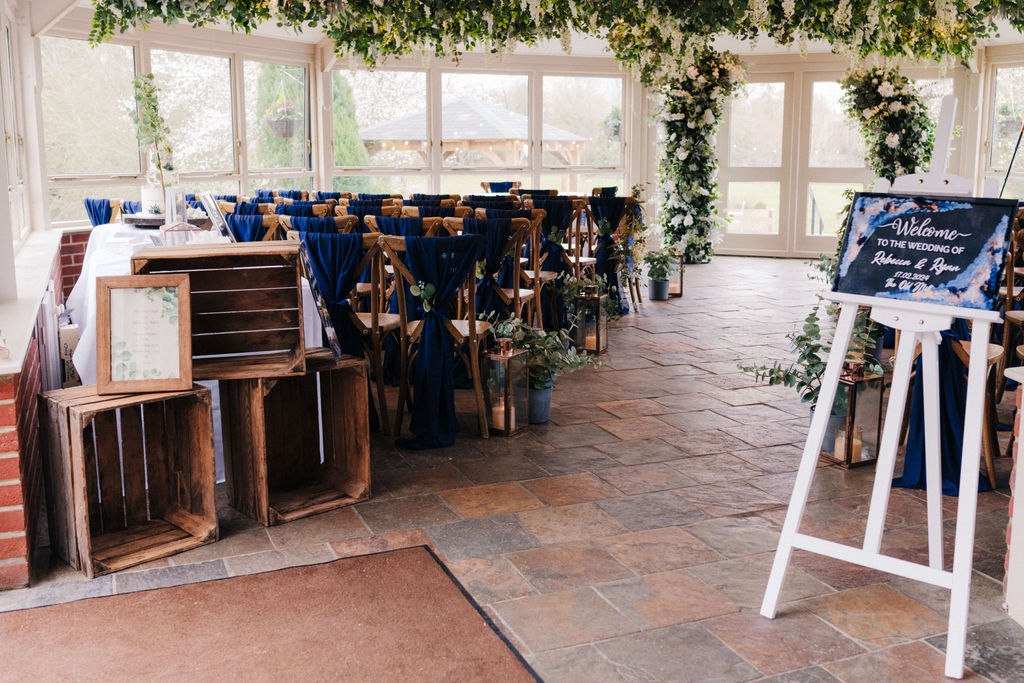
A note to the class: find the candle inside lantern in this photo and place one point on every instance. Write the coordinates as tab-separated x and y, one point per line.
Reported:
591	338
498	416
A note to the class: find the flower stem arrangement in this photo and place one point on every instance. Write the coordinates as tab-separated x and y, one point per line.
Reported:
687	174
152	131
892	119
570	287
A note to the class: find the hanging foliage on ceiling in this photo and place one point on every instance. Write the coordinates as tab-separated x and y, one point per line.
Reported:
687	174
892	119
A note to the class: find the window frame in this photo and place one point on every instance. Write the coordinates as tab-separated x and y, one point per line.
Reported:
12	115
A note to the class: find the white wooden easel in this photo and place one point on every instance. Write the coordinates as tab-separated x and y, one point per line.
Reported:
919	324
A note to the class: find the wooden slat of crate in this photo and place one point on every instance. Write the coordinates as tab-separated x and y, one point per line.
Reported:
246	306
165	439
272	440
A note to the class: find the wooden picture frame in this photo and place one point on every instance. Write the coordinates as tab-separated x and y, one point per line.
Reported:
146	320
216	216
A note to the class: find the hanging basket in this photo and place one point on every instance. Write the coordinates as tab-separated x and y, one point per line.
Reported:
283	128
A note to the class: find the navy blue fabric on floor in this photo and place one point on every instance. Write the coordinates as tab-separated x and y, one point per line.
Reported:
952	404
445	262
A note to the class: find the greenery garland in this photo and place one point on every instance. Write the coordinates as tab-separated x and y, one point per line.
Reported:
688	170
892	119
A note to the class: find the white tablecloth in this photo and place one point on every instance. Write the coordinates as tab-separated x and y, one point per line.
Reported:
109	252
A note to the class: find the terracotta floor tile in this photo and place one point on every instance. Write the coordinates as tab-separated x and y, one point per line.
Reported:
404	513
392	540
908	662
986	604
729	498
573	436
637	427
495	468
558	620
688	402
323	528
575	665
574	414
651	510
658	550
697	420
569	489
635	479
788	642
408	482
572	460
877	615
813	674
568	523
640	451
491	580
738	536
708	469
836	573
677	653
706	442
481	537
567	565
768	434
755	413
743	580
491	499
665	599
640	407
994	650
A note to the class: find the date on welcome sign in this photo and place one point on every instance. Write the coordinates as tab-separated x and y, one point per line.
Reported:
938	250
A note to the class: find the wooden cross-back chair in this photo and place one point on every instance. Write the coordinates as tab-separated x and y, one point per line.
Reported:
391	201
465	329
331	203
532	273
432	226
343	224
517	296
374	325
1011	295
394	210
578	243
414	211
516	184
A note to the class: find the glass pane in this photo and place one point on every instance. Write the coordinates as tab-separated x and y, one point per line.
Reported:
272	183
469	183
582	121
827	206
752	208
382	184
835	141
1014	186
755	125
582	183
484	120
73	74
1008	114
380	119
11	123
275	115
195	101
214	187
66	203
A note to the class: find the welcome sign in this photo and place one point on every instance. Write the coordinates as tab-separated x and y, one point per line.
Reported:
938	250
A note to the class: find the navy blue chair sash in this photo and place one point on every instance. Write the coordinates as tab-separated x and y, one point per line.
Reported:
314	224
246	228
98	210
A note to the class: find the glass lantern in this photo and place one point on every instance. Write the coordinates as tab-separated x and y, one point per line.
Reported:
507	388
675	285
857	419
591	324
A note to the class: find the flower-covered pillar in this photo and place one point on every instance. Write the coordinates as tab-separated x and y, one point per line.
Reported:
694	101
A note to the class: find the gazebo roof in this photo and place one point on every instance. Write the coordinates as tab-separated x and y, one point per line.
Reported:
465	118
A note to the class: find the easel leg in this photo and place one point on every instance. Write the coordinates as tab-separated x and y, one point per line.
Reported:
890	435
963	550
932	455
809	460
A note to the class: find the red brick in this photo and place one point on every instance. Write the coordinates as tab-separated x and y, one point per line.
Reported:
1020	391
12	520
11	494
81	236
73	249
6	387
9	468
8	443
14	576
7	416
13	547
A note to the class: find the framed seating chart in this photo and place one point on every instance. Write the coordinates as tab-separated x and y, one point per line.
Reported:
143	334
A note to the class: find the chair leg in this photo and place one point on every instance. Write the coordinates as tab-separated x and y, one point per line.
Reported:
378	372
473	360
403	384
990	429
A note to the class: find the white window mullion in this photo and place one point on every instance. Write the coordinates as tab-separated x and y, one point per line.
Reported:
434	126
536	109
238	107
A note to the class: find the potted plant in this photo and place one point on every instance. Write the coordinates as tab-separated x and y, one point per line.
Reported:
152	132
659	263
549	354
282	118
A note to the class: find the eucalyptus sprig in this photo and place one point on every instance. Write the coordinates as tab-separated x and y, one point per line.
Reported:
426	292
151	129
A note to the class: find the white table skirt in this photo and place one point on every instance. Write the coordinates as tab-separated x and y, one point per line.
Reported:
109	253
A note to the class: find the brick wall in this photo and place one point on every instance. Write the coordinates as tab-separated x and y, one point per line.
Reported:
1013	479
72	252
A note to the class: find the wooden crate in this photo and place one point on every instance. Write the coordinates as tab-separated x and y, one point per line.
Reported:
246	306
129	477
273	429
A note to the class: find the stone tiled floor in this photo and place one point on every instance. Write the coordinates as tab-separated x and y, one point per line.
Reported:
630	539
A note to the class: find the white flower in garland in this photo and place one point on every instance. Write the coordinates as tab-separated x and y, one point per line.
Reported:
709	117
688	221
895	106
892	140
886	89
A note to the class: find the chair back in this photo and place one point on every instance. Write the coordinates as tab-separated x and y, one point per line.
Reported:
302	209
435	197
429	202
404	226
604	191
437	211
537	193
342	210
337	224
323	196
500	185
248	228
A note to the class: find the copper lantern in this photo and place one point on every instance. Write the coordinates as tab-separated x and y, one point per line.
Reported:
591	321
508	388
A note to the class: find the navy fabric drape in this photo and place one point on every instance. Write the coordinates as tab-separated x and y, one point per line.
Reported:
423	202
510	213
328	195
430	197
334	259
542	193
131	206
558	216
503	186
373	197
305	210
445	262
314	224
194	204
246	228
400	227
226	197
609	191
508	206
265	196
303	202
495	233
98	210
290	194
952	405
366	204
436	211
247	208
609	209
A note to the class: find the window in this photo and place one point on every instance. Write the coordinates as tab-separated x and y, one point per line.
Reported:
753	207
382	184
582	121
14	142
276	116
484	120
195	101
835	140
755	125
380	119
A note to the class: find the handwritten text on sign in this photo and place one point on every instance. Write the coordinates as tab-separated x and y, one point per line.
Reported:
941	250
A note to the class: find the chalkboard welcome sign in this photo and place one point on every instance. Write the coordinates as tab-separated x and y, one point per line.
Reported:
938	250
